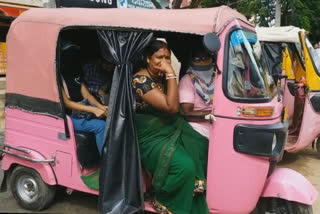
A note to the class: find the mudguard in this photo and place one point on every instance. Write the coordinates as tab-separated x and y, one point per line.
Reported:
44	169
290	185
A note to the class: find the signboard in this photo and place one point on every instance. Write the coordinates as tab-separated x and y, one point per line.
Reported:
112	3
87	3
136	4
142	4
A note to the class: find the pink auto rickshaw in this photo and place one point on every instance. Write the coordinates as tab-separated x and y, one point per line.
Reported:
298	66
42	151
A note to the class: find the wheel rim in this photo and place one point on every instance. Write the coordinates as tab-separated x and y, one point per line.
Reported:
27	188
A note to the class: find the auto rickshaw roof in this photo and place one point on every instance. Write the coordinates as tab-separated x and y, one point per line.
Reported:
33	36
279	34
196	21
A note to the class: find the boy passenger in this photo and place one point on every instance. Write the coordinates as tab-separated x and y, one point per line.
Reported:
97	75
81	105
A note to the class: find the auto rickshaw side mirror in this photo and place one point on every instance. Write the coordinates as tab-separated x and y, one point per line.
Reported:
212	43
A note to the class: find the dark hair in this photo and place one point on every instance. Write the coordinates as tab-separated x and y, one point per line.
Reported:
152	47
140	61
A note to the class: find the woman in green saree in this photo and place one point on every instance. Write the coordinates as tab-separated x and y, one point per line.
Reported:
170	149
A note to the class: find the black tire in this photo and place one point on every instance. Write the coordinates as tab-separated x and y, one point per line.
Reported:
281	206
29	190
318	144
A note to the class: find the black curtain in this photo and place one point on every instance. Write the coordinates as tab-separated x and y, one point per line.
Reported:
120	190
272	59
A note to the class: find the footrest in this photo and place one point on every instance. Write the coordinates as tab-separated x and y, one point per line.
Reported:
91	180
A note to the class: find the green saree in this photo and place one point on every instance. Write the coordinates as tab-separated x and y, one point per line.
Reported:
176	155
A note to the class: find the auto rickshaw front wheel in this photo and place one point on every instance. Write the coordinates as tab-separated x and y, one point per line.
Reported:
29	190
281	206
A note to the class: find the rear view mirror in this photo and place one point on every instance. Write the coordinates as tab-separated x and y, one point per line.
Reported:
211	42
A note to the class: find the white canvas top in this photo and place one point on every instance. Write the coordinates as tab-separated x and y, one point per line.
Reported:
279	34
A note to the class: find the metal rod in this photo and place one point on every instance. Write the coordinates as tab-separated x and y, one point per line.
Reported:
27	158
17	148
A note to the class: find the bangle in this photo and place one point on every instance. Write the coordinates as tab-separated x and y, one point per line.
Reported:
173	77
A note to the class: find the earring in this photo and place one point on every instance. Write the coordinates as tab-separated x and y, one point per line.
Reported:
148	60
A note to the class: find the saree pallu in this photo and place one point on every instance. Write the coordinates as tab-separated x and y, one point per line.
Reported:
176	155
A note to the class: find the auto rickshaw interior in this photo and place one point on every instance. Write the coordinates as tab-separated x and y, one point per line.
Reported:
250	79
87	39
85	46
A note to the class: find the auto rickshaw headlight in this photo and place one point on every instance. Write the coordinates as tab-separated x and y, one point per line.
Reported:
266	111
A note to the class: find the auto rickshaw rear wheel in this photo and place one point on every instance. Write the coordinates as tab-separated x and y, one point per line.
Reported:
281	206
318	144
29	190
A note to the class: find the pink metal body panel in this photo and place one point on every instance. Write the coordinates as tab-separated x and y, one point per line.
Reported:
40	133
288	99
232	174
290	185
310	126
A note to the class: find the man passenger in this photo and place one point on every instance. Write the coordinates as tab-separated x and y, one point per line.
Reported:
196	88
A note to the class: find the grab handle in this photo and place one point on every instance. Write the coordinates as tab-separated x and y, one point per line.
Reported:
24	157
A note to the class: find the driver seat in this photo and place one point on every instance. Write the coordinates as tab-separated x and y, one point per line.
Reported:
87	151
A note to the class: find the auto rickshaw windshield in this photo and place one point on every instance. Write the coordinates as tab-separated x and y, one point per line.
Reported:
246	76
314	57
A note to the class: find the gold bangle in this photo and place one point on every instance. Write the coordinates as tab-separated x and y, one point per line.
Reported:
173	77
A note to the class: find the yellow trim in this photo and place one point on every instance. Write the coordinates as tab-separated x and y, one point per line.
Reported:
292	67
313	80
3	59
287	64
299	71
285	114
